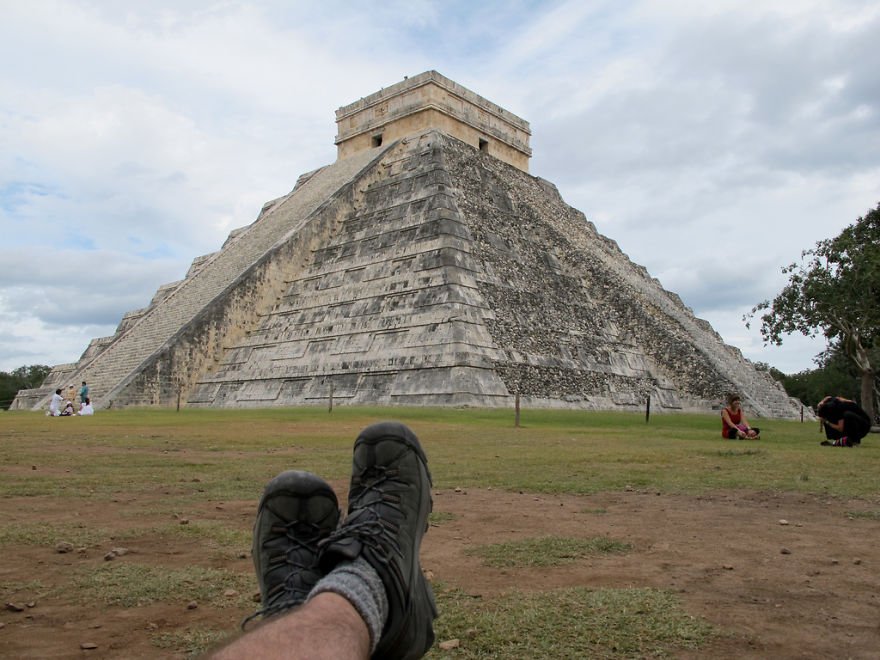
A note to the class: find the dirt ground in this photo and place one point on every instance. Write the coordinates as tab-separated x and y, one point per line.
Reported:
781	575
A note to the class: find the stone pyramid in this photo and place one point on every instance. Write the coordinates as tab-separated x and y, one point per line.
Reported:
424	267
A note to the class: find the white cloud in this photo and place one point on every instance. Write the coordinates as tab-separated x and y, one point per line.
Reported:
134	136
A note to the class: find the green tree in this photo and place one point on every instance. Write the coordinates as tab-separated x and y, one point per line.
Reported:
21	378
835	375
835	290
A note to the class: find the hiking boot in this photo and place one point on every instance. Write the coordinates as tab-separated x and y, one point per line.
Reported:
388	506
297	510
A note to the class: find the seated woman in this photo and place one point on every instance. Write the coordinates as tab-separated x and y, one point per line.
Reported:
734	425
844	421
86	408
68	409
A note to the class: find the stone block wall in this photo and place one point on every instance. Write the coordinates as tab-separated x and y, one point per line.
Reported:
136	368
577	319
430	101
386	310
425	272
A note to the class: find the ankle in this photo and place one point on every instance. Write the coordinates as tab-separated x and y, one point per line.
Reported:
360	585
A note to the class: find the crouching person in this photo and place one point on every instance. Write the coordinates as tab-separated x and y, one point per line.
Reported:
844	422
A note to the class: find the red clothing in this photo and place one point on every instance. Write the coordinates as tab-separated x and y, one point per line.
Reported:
735	417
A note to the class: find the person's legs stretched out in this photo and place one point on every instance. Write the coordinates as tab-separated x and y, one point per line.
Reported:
374	599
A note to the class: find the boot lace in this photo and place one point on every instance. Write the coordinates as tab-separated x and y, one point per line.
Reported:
300	556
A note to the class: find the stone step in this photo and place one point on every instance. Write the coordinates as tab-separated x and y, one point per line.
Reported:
122	357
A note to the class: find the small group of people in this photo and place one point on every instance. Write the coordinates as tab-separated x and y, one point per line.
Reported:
844	421
61	407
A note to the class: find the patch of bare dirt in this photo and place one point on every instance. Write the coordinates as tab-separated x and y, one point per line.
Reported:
781	575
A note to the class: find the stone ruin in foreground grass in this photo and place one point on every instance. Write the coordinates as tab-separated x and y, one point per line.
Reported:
425	267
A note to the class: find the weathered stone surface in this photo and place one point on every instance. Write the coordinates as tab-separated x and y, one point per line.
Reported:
167	345
422	272
432	101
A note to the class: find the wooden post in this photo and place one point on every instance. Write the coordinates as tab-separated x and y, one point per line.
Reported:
179	388
330	410
516	405
648	410
802	414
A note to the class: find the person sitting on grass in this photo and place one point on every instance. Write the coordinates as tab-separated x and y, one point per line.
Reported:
55	404
844	422
734	425
86	408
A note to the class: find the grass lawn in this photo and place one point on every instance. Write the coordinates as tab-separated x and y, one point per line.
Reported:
227	455
551	452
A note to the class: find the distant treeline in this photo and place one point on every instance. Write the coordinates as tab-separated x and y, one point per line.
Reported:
20	379
835	375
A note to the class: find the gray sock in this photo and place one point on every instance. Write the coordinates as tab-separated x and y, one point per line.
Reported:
359	584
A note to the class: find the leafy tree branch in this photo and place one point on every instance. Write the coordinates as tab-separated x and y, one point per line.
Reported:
835	290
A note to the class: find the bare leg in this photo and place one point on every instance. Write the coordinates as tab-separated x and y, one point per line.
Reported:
327	627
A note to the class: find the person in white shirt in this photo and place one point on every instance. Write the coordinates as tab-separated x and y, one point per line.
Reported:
86	407
55	404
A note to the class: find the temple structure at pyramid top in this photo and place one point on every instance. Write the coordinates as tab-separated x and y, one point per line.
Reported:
425	266
430	100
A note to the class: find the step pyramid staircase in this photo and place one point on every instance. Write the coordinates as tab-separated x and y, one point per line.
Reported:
132	367
422	272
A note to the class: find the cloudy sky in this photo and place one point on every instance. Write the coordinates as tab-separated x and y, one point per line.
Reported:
714	141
